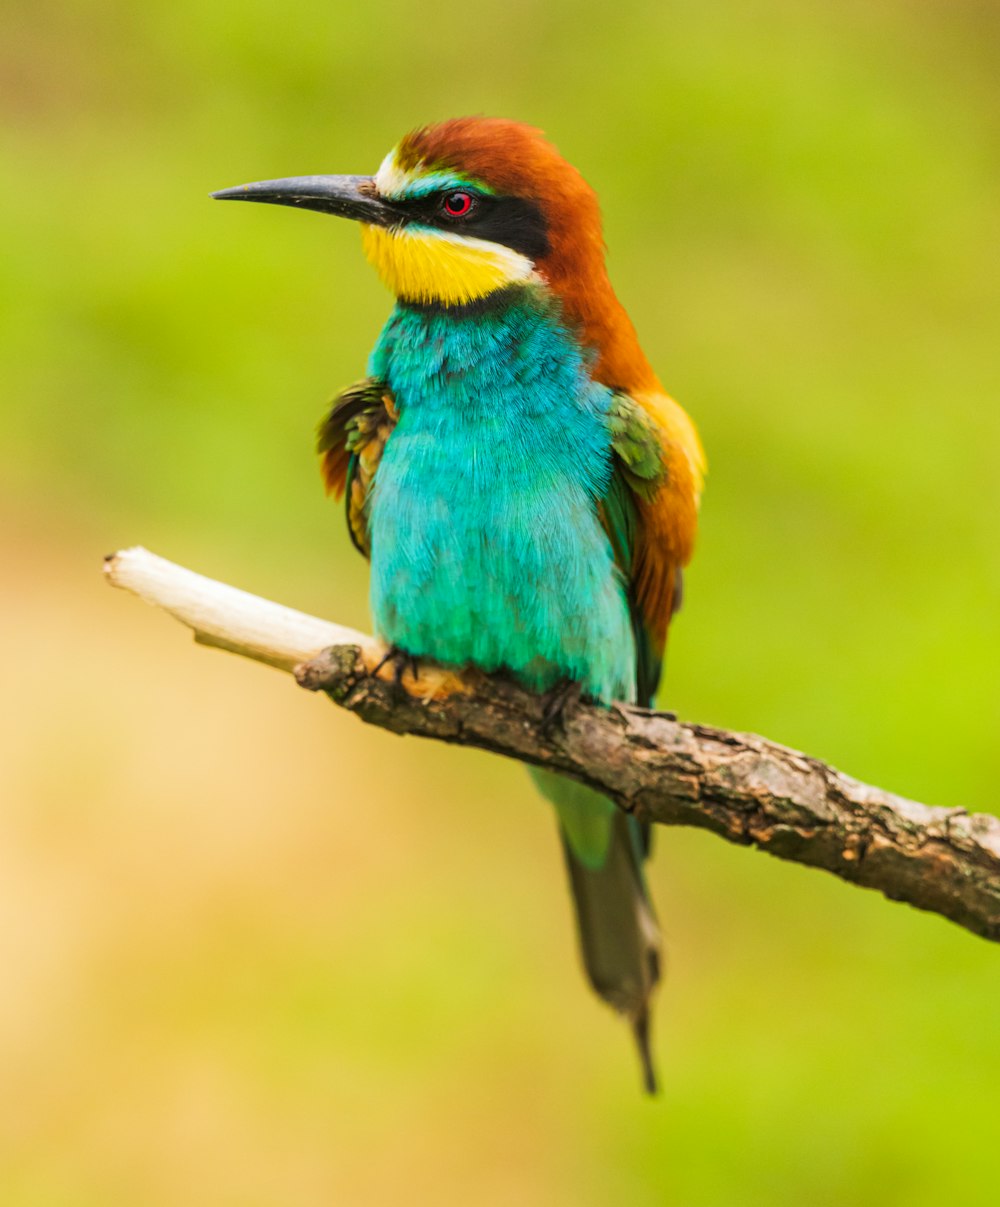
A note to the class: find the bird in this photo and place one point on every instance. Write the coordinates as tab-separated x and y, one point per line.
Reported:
523	486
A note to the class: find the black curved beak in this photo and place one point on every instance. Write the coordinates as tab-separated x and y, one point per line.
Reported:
346	196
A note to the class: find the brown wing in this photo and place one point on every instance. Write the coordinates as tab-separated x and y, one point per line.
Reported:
350	442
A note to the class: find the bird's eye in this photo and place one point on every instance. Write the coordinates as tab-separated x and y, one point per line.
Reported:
457	205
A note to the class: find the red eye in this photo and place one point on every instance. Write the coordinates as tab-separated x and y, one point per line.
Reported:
457	205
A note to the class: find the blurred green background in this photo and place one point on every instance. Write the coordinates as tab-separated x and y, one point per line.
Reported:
256	954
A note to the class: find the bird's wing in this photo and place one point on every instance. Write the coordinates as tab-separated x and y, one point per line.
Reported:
350	442
650	514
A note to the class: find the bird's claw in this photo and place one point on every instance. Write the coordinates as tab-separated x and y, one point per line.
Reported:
401	662
558	701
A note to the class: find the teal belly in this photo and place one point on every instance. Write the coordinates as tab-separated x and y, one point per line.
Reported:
486	543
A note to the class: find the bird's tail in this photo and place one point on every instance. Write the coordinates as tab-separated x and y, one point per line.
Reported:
619	937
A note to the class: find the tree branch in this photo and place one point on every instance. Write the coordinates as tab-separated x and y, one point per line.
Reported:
745	788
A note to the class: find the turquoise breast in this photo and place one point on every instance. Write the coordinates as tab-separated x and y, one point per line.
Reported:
486	544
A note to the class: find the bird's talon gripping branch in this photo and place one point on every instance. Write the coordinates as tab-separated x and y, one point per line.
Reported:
419	678
559	703
400	663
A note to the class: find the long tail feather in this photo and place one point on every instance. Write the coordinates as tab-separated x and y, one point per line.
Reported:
618	932
640	1028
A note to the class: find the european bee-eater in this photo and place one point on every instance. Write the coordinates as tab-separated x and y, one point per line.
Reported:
524	488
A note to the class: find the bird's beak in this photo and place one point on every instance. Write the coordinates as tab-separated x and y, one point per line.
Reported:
347	196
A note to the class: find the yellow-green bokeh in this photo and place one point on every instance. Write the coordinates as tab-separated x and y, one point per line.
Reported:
255	954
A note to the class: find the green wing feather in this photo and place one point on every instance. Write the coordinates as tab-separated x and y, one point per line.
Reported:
638	472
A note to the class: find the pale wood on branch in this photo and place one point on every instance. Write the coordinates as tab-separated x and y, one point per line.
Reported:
742	787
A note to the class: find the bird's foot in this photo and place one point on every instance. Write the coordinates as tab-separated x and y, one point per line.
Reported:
400	662
558	702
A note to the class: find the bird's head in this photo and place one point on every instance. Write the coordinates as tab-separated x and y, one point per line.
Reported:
470	207
457	210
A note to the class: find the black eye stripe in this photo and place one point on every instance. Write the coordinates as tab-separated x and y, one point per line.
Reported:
516	222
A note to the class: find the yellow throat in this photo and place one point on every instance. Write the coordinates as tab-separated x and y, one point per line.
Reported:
422	264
